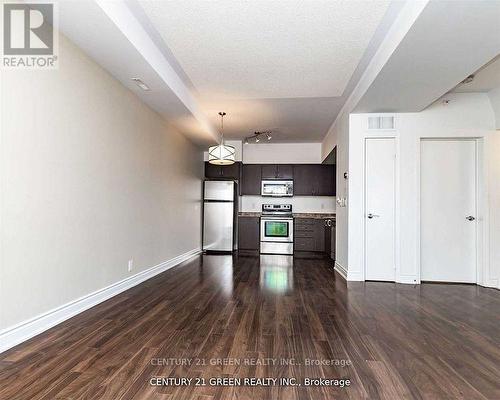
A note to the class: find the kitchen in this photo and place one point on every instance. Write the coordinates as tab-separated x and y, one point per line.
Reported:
285	208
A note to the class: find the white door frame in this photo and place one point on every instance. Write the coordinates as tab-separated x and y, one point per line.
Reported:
396	202
479	203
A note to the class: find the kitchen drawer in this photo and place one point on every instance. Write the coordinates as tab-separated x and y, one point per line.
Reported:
304	227
304	244
304	221
304	234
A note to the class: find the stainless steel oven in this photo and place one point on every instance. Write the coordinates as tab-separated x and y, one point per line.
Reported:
277	188
276	229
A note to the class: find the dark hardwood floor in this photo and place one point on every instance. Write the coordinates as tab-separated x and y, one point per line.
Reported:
396	341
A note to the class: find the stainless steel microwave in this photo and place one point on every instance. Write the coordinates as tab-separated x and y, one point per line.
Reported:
277	188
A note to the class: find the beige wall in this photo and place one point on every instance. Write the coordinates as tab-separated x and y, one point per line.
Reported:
338	137
291	153
300	204
494	96
90	178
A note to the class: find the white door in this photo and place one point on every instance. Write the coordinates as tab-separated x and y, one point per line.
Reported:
448	210
380	206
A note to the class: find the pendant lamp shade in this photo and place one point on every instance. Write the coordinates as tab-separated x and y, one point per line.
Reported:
221	154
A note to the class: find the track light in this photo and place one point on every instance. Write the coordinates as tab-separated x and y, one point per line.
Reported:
256	137
469	79
141	84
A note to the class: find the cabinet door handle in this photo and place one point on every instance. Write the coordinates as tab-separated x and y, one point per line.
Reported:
370	216
470	218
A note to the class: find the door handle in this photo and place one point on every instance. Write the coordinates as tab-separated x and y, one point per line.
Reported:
470	218
370	216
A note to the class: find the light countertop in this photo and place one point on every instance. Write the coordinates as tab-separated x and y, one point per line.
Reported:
295	215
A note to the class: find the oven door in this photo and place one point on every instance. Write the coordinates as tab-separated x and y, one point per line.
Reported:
276	229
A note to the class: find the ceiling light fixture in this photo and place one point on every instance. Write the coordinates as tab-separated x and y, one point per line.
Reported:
469	79
141	84
256	137
221	154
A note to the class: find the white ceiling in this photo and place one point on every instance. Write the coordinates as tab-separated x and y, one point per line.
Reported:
108	44
290	120
435	54
287	66
486	79
267	49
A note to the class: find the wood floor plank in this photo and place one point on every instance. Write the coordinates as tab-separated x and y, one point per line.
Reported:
221	316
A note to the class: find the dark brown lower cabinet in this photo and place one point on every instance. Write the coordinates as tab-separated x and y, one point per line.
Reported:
248	233
328	237
309	234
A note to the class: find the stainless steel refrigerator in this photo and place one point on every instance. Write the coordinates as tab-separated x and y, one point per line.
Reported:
219	207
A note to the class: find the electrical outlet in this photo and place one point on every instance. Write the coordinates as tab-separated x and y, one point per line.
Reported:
130	265
322	206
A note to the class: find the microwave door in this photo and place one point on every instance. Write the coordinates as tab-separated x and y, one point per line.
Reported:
273	190
276	188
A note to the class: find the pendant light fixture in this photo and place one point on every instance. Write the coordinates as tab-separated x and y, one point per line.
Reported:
221	154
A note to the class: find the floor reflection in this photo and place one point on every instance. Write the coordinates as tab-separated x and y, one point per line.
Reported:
218	268
276	273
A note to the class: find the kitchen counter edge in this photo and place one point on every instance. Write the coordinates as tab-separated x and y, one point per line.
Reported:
295	215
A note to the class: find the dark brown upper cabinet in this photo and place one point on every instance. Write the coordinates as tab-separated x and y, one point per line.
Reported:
222	171
308	179
251	176
304	177
277	171
327	185
285	171
313	180
269	171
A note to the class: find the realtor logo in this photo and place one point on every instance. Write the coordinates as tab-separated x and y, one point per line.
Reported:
29	36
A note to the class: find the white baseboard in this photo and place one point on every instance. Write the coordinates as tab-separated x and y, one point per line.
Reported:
355	276
408	279
492	283
25	330
340	269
